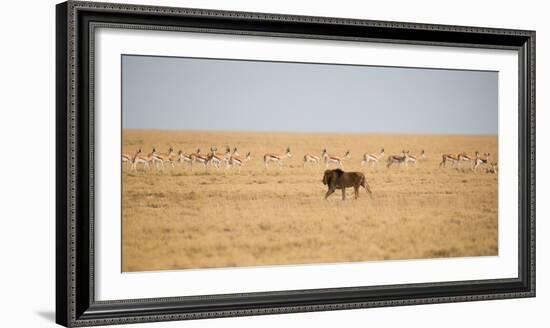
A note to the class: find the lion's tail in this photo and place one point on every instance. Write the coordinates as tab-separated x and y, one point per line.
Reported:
365	184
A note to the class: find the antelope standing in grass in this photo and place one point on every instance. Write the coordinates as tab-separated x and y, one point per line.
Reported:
169	158
185	158
214	158
277	158
311	159
463	157
422	155
238	161
139	159
157	159
397	159
226	156
197	157
372	158
493	169
127	160
481	161
331	159
448	158
410	158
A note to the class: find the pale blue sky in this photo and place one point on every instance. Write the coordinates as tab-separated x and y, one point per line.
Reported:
227	95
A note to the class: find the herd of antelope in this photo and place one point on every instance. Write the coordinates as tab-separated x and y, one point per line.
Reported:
231	159
475	161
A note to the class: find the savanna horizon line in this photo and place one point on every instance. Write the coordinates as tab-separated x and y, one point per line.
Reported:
316	132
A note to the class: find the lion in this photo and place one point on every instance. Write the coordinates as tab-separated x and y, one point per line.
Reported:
338	179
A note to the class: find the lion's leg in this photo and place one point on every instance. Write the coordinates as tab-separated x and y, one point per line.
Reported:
329	192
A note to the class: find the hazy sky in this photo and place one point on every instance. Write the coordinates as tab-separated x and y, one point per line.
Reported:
212	94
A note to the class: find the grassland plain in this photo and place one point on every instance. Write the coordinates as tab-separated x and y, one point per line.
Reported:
178	218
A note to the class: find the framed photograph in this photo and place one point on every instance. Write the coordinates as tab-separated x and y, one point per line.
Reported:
216	164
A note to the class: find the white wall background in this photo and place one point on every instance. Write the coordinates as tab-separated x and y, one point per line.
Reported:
27	176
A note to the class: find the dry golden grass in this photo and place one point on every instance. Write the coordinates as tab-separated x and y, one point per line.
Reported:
177	219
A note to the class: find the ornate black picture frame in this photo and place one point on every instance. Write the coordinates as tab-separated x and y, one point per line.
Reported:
75	301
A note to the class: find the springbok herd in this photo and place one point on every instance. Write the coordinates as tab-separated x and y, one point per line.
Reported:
231	159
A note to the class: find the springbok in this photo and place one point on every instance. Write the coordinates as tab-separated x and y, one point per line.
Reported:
422	155
169	158
448	158
157	159
185	158
238	161
197	157
214	158
138	159
331	159
127	159
463	157
410	158
396	159
277	158
481	161
311	159
226	156
372	158
493	169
